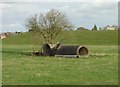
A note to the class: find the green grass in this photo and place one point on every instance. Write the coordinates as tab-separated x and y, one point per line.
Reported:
70	37
100	67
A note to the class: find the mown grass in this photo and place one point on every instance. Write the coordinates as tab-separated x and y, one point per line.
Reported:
100	67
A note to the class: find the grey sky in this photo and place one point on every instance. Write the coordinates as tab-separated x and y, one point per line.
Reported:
84	14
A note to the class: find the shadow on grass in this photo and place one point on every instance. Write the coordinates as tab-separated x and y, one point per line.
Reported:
98	55
26	53
15	53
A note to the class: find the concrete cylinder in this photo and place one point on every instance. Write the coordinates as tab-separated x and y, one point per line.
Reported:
72	50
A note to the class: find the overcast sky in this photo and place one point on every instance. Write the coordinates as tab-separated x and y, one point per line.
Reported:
84	14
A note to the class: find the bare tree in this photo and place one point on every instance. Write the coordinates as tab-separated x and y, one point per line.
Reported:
48	25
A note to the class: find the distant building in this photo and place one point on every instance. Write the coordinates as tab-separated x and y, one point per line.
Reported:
81	28
6	34
113	27
3	36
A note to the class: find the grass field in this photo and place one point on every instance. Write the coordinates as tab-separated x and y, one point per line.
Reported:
69	37
100	67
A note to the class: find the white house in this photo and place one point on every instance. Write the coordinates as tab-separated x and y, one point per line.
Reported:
2	36
113	27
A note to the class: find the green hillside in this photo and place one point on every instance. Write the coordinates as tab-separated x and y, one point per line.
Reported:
68	37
